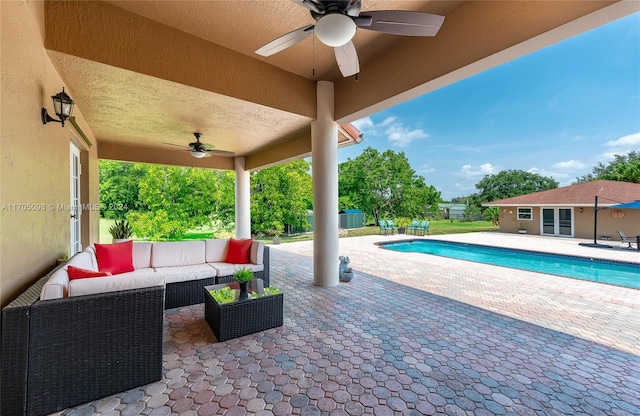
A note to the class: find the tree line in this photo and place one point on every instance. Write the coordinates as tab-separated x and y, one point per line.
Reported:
167	201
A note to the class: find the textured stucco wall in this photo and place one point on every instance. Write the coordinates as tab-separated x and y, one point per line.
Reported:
582	222
34	170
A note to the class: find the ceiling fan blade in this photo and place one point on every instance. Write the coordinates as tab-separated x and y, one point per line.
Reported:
176	145
284	41
347	59
220	152
311	5
401	22
353	8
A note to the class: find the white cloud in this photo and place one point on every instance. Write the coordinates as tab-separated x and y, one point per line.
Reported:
402	136
469	171
425	169
397	133
569	165
364	124
630	142
388	121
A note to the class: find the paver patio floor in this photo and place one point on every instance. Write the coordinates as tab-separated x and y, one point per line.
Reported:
409	335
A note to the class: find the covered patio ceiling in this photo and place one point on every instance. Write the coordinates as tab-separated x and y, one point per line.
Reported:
147	74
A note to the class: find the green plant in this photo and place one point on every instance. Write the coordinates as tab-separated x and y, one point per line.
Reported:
121	229
224	295
243	275
403	222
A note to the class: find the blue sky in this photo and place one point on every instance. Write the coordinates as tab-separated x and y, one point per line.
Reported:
556	112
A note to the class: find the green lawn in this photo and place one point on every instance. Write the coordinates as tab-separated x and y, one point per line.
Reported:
436	227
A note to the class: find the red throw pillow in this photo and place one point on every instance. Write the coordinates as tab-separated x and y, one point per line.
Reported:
115	258
238	251
80	273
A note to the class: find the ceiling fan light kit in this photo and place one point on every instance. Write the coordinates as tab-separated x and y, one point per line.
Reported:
335	29
200	150
337	22
198	154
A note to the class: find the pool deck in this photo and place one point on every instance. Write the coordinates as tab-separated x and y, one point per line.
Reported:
411	334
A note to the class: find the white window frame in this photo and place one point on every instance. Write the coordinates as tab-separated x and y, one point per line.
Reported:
522	215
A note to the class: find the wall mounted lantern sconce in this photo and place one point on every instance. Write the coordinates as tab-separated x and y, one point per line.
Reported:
581	209
62	105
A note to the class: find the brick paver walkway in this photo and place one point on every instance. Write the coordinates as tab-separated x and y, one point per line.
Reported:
409	335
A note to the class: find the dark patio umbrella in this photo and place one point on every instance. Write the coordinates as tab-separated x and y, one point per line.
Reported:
627	205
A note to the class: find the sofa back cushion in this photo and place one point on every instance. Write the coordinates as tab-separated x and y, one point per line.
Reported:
256	256
58	284
183	253
216	249
142	255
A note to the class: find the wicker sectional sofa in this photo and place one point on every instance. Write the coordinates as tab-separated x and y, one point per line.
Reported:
66	342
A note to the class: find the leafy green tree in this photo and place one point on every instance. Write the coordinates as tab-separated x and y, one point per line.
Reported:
179	199
623	168
119	188
281	195
510	183
384	184
492	214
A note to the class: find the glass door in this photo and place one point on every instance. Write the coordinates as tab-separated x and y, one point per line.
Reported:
565	222
548	221
557	221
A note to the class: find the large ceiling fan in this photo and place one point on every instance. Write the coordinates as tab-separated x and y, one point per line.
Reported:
200	150
336	24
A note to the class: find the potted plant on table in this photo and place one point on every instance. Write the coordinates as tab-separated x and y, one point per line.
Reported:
243	277
120	231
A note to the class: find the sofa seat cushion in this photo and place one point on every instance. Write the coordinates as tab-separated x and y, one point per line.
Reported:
227	269
114	283
137	272
185	273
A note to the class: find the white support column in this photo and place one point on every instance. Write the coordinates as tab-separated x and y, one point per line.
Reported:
243	200
324	153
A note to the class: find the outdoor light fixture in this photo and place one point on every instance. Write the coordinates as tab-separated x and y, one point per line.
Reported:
581	209
335	29
62	105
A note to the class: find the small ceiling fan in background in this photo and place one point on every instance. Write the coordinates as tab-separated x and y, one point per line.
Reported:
336	24
200	150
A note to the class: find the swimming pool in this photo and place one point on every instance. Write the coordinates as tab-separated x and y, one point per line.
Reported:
596	270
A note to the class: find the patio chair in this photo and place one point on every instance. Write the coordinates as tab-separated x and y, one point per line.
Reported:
424	227
627	240
413	228
390	226
383	226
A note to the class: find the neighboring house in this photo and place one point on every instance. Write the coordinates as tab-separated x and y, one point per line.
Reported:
569	211
455	211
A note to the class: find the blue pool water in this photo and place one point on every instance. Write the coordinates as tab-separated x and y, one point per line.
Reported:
596	270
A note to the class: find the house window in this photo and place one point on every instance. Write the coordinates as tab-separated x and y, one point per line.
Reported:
525	214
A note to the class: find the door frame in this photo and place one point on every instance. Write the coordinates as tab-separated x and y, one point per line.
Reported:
75	200
556	221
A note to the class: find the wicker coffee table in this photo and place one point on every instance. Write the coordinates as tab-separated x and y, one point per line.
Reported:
238	318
